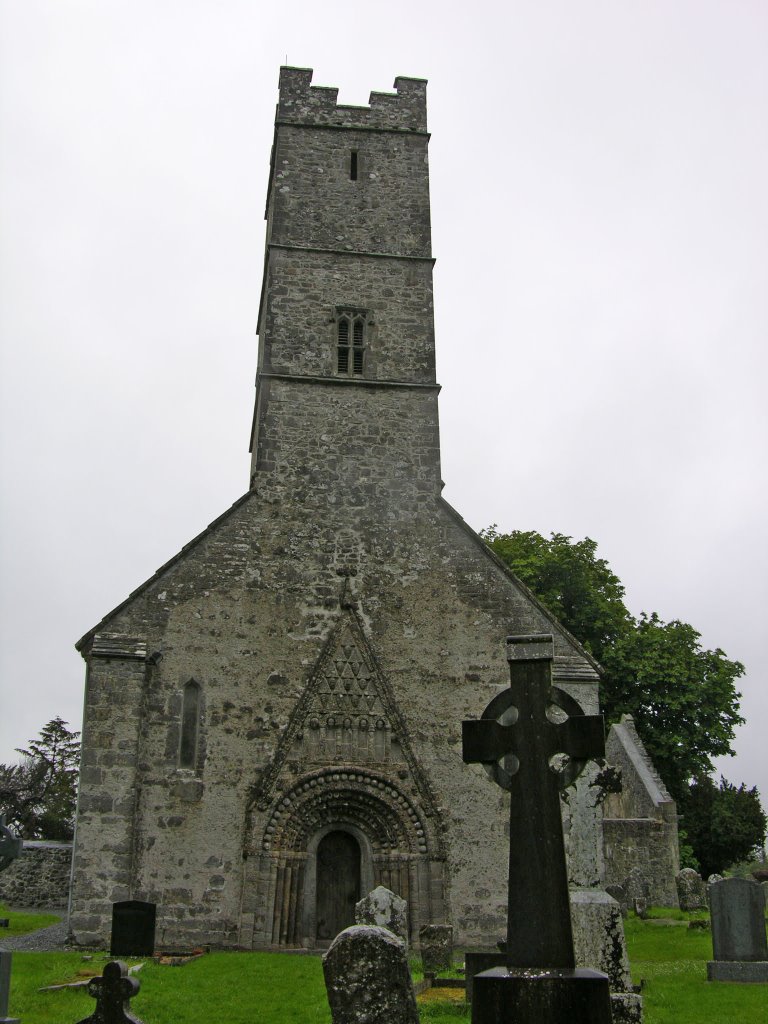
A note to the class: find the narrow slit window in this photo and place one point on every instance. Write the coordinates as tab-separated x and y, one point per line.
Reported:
190	724
353	165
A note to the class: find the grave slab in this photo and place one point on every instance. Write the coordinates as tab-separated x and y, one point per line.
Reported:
367	978
739	943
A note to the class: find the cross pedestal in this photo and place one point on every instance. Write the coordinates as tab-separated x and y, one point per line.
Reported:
519	741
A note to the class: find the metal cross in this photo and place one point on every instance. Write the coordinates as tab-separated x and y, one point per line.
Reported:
518	743
112	992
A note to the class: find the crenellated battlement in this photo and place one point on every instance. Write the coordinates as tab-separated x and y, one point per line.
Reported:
301	102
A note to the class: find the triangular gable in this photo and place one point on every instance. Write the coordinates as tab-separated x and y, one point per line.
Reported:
347	715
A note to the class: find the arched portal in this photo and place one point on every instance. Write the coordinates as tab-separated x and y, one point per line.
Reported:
288	861
338	883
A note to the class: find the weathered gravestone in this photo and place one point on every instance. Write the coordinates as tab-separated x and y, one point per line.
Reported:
691	890
436	942
367	978
112	992
10	845
738	932
5	989
383	908
133	928
517	742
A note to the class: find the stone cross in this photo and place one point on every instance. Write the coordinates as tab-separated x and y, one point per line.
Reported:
112	992
520	740
517	740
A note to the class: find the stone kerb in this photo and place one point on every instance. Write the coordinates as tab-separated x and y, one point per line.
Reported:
383	908
367	979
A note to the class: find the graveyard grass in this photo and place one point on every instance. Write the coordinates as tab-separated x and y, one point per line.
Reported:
21	924
287	989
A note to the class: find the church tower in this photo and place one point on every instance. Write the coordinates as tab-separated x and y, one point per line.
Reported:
346	376
273	720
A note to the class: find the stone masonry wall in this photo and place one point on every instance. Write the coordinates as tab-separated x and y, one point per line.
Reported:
39	877
640	821
343	546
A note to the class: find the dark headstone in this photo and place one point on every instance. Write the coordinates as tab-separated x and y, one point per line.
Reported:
517	742
436	942
112	992
133	929
475	963
367	978
738	932
5	989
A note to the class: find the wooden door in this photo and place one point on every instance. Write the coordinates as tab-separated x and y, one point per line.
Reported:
338	883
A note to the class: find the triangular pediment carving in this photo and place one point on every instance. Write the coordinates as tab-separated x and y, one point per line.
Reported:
347	715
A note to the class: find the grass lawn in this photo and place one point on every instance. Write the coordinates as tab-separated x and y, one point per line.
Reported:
20	924
240	988
672	961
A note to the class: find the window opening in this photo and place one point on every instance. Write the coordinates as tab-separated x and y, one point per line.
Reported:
351	336
190	720
353	165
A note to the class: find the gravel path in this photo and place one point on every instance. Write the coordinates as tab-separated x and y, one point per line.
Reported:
42	941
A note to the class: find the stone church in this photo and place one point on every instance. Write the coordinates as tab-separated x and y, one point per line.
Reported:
273	720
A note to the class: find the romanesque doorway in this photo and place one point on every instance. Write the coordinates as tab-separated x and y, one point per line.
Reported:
338	883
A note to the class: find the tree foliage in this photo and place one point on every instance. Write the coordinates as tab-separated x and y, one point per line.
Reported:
38	795
683	698
723	823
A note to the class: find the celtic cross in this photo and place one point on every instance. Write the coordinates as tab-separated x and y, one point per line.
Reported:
112	992
519	741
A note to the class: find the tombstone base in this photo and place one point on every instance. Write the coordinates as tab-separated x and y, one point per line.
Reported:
737	970
525	995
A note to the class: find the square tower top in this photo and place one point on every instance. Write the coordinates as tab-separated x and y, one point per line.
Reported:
301	102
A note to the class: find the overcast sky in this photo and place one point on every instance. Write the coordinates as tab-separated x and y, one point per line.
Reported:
600	222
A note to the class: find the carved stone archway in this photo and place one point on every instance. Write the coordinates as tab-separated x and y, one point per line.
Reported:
398	842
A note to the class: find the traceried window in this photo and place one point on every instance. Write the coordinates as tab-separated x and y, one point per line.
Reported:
352	328
190	725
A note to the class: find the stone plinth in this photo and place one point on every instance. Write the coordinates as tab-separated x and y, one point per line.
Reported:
515	995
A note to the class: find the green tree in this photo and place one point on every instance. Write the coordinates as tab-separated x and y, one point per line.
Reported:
582	591
683	698
39	794
724	824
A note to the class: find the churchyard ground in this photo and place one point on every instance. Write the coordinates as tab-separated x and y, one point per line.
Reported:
287	989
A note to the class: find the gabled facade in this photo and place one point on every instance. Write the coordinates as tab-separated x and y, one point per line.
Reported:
272	721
